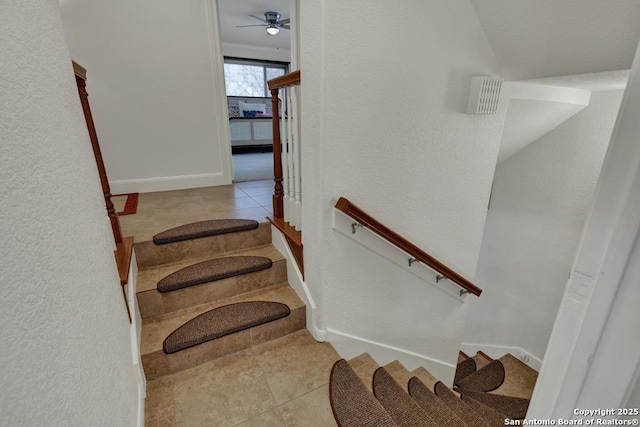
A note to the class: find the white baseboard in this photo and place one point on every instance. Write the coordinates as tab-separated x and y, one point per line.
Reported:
497	351
166	183
294	276
349	346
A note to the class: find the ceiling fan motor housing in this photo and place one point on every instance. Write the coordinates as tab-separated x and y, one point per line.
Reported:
272	17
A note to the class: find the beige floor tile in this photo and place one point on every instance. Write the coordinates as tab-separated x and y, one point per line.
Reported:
159	405
268	419
310	410
260	183
237	203
262	190
224	392
295	364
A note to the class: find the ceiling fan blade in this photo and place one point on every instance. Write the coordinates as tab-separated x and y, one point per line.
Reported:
243	26
259	19
286	27
285	21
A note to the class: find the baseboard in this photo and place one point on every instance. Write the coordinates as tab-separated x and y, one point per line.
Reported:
166	183
497	351
299	286
349	346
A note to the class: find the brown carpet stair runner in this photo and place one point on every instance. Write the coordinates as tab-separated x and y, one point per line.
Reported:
402	408
436	408
512	407
464	369
486	379
204	229
223	321
212	270
461	409
351	402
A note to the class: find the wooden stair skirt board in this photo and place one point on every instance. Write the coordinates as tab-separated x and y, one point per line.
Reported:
294	239
223	321
212	270
203	229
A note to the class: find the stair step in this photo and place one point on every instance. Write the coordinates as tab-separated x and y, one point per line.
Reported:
403	409
520	379
458	407
149	254
153	303
399	373
364	366
482	360
511	407
201	229
462	356
157	363
437	409
493	417
211	271
488	378
352	403
223	321
464	369
425	376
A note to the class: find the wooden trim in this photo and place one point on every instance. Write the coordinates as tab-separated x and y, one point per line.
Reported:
294	239
371	223
124	254
291	79
465	355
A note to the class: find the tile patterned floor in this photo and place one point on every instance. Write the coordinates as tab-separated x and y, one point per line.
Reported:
283	382
166	209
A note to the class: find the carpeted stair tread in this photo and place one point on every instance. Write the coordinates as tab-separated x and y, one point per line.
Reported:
212	270
203	229
435	407
486	379
511	407
491	416
352	404
364	366
404	410
464	369
223	321
461	409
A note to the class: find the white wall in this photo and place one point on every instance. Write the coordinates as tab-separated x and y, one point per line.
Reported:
156	102
540	201
383	124
66	350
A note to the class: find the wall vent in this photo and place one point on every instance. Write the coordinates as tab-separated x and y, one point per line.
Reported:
484	95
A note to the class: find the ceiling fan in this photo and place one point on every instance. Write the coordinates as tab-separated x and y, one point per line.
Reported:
271	21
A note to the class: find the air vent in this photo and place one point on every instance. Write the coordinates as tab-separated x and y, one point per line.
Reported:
484	95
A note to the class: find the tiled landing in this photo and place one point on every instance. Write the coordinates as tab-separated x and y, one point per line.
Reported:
283	382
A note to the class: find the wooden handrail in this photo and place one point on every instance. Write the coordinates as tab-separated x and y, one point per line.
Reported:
418	254
291	79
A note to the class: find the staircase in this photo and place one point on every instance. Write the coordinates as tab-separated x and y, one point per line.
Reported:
210	289
486	393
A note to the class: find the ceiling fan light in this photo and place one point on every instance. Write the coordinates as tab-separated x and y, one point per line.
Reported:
273	29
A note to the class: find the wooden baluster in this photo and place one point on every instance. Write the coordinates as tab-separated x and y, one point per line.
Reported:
81	81
278	194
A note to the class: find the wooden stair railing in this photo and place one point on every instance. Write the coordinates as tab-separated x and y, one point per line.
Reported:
124	245
293	236
366	220
291	79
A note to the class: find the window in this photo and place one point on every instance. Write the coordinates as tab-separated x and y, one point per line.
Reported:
245	77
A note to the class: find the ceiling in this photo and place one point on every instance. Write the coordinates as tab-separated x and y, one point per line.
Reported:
235	12
545	38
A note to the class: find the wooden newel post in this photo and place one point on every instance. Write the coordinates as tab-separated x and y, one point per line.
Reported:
278	195
81	81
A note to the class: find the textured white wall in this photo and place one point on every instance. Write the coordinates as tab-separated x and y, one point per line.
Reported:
383	124
66	351
541	197
151	85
